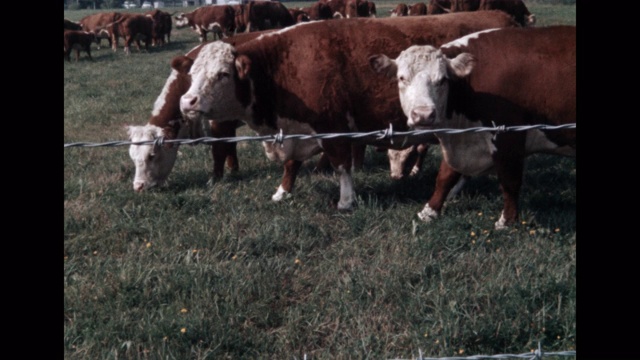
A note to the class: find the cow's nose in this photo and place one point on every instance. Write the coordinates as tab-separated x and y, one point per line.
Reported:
188	102
423	115
138	186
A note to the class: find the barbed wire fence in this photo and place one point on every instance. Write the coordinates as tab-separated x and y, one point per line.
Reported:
387	134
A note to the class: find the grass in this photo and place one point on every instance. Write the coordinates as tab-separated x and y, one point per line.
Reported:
213	271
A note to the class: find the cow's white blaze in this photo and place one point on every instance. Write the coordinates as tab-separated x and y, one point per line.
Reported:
161	99
212	90
153	163
464	41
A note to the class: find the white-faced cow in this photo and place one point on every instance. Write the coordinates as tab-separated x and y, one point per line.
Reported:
515	76
217	19
77	40
515	8
325	84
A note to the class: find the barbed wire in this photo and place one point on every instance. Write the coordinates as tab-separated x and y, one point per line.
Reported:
537	354
280	137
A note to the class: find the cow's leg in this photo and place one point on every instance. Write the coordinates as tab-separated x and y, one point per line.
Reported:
291	168
77	50
357	152
445	181
510	172
339	153
88	49
223	151
422	152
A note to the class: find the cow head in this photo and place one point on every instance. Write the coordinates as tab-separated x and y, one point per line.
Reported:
181	20
216	75
153	162
423	74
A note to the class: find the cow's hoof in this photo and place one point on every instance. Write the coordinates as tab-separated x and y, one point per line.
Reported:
280	194
427	214
501	224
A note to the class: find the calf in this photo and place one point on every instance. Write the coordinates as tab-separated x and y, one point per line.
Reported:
217	19
515	76
322	85
77	40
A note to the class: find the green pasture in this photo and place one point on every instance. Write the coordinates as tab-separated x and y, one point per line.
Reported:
202	270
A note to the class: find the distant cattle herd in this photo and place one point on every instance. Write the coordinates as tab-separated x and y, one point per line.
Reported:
154	27
330	85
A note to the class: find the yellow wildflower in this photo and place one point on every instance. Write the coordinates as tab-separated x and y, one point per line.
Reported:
183	330
184	310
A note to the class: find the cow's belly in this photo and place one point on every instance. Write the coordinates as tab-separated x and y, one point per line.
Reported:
537	142
468	153
295	149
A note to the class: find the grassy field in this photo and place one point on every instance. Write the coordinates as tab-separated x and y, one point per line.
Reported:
197	270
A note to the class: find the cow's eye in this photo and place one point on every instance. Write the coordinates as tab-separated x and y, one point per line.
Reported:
402	80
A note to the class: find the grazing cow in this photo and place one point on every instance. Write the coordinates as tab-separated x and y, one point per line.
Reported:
318	11
299	15
162	26
400	10
99	24
518	76
417	9
77	40
133	27
257	13
436	7
464	5
324	85
70	25
217	19
515	8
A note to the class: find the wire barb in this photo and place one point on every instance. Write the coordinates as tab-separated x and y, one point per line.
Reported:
387	134
159	141
279	138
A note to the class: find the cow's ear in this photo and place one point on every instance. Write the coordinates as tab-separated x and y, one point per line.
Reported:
243	66
181	64
461	65
382	64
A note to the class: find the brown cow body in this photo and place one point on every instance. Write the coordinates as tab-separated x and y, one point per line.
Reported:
132	28
217	19
77	40
322	85
257	13
436	7
417	9
162	26
99	24
502	77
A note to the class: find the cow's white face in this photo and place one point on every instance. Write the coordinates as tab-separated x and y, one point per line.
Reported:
213	85
399	161
181	21
423	75
153	162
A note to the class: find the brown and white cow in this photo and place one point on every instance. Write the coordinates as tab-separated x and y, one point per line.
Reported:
509	77
99	24
400	10
417	9
515	8
162	26
325	85
132	28
360	8
217	19
258	13
77	40
437	7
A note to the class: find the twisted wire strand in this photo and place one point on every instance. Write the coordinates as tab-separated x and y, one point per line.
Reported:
279	137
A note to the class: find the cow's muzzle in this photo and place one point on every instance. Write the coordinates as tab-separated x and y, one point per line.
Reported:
422	116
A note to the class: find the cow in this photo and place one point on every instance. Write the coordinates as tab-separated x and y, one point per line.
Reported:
299	15
500	77
417	9
437	7
515	8
217	19
257	13
338	8
400	10
98	24
465	5
77	40
324	85
318	11
71	25
133	28
359	8
162	26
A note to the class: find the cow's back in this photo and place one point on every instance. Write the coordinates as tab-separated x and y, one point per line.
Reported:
332	73
543	76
